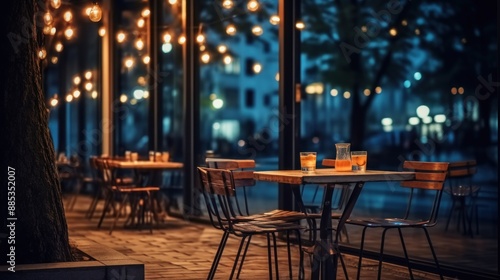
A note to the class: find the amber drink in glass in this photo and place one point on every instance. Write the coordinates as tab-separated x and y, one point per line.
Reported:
308	162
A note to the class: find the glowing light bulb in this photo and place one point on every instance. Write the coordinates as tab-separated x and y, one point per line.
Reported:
146	12
68	33
102	31
77	80
146	59
222	48
167	37
139	44
257	30
274	20
182	39
120	37
129	62
141	22
55	3
205	58
200	38
88	75
227	4
95	14
253	5
231	30
47	18
59	47
54	101
88	86
42	53
68	16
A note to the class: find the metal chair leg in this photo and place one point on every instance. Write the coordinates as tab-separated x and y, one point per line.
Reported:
218	255
433	253
405	252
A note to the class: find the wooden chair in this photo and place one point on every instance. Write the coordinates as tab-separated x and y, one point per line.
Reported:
463	195
242	170
139	198
218	187
429	178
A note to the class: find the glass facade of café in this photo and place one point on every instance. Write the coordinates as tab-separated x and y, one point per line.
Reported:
267	79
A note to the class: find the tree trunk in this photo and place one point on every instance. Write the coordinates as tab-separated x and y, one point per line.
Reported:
33	222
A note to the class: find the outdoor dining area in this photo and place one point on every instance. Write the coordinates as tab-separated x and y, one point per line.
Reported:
252	139
132	197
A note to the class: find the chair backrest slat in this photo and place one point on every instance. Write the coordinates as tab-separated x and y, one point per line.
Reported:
429	177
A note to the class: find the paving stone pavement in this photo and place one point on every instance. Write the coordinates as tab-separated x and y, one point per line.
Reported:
180	249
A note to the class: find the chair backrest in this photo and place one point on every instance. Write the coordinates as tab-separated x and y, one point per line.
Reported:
328	162
429	178
459	180
217	188
104	172
242	172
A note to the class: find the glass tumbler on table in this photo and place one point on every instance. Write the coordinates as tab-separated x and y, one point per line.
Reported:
308	162
359	159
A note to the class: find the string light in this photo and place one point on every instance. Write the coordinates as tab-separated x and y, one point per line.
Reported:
55	3
77	80
253	5
102	31
95	13
141	23
42	53
231	29
257	30
47	18
120	37
59	47
88	75
227	4
139	44
68	16
54	101
274	19
68	33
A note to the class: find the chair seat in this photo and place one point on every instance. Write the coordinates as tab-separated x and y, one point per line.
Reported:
136	189
264	227
388	222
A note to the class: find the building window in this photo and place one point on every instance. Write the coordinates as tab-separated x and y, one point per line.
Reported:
249	98
249	62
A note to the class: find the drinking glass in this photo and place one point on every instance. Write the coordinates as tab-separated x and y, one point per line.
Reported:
308	162
359	159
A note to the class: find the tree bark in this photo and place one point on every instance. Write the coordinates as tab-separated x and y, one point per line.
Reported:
40	231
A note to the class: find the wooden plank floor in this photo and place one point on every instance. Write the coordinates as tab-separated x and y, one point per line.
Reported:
181	249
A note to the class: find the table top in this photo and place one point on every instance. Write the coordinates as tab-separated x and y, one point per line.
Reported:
329	175
145	164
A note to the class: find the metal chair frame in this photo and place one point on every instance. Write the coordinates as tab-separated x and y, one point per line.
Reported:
430	177
218	187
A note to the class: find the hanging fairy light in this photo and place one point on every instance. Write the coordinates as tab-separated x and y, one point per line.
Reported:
182	39
146	59
102	31
222	48
88	75
55	3
68	16
59	47
42	53
227	4
139	44
257	30
227	59
146	12
48	19
69	32
231	29
54	100
95	13
253	5
167	38
46	29
120	37
200	38
52	30
205	57
274	19
141	23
